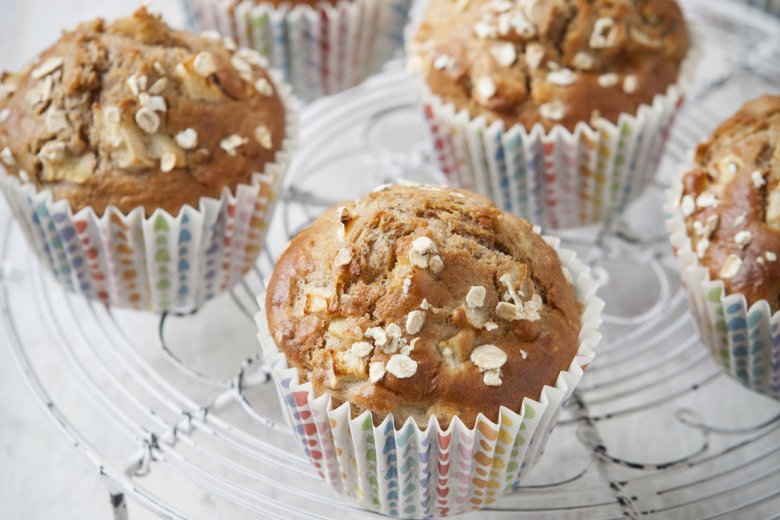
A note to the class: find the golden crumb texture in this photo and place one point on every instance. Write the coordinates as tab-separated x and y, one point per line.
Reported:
424	301
554	62
731	202
135	114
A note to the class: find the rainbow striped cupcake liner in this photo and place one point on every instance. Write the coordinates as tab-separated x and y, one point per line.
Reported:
405	471
557	178
160	262
744	341
321	49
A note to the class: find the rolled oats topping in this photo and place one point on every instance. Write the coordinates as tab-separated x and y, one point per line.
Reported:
583	61
743	238
688	205
488	357
147	120
421	255
436	264
401	366
492	377
362	349
707	228
7	156
168	162
187	139
733	178
485	88
630	83
263	136
344	257
519	52
609	80
534	54
702	245
378	335
414	322
376	371
232	143
264	87
758	179
47	67
731	267
476	296
562	77
444	62
707	199
158	87
438	339
504	53
605	33
203	63
554	110
105	92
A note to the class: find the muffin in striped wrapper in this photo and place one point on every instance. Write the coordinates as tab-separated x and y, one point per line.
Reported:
423	343
143	163
558	110
724	220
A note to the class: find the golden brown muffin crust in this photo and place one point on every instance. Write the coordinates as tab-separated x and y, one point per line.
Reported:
413	288
135	114
550	61
731	201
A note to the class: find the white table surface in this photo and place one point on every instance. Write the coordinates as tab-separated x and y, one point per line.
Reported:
41	475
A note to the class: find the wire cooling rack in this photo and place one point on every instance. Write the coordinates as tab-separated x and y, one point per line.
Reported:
178	416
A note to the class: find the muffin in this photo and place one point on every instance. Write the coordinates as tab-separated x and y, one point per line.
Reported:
143	162
322	47
421	310
556	109
725	225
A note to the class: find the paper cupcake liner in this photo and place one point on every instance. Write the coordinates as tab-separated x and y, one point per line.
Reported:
406	471
556	178
160	262
321	49
744	341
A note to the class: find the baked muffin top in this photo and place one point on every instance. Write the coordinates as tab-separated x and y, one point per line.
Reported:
423	301
550	61
731	202
135	114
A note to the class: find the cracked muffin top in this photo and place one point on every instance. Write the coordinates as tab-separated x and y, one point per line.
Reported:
424	301
134	114
731	202
550	61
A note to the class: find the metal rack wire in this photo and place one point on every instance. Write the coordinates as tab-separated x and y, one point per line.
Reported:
177	414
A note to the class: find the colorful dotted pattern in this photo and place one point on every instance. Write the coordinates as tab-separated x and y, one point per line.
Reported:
558	178
747	341
320	49
407	472
159	263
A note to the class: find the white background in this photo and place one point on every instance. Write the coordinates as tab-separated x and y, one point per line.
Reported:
41	475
